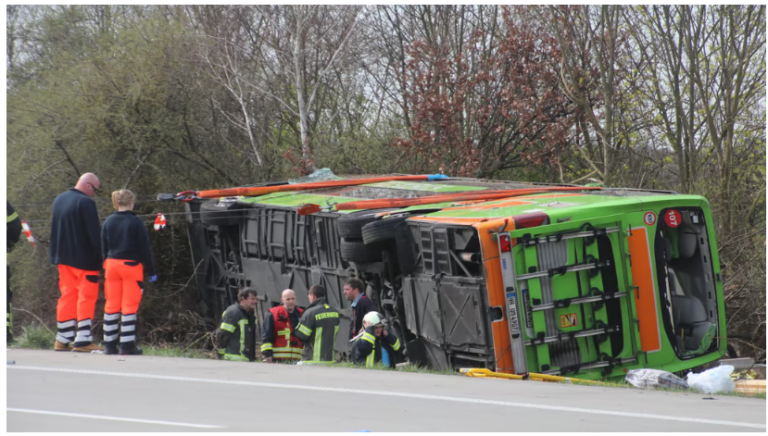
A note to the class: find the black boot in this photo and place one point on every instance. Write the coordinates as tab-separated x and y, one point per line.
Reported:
128	336
130	349
110	348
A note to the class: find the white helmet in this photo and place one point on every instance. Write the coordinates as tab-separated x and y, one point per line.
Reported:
375	319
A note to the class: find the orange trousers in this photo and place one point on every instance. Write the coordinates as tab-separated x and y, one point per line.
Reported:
123	287
74	311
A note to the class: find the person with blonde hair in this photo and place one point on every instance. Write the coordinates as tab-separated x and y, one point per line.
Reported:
127	254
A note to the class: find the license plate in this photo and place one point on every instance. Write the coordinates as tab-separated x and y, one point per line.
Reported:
514	323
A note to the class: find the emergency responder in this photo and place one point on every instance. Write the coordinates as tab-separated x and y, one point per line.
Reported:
279	341
375	344
12	233
237	331
76	248
318	328
361	305
125	248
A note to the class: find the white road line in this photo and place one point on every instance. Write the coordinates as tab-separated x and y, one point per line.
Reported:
396	394
111	418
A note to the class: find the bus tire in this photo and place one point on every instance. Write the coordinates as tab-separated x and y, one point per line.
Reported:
350	226
356	251
383	230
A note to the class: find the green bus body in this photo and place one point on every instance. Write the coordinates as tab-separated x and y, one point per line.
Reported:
588	284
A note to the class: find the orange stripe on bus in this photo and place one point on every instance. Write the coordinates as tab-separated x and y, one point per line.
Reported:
494	286
645	295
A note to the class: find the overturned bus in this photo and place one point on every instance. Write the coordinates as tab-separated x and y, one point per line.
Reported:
514	277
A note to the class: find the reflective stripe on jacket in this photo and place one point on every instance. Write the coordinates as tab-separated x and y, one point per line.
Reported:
317	329
237	334
367	348
279	339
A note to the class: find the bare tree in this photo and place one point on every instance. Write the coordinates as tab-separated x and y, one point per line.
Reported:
730	79
297	51
228	55
592	41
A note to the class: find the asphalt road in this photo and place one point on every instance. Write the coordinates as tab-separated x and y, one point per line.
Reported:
49	391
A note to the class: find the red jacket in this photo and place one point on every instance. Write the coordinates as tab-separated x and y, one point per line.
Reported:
282	342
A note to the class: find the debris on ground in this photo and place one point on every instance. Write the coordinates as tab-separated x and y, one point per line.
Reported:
716	380
750	386
654	378
749	374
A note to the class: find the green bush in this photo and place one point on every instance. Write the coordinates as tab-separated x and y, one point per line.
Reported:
35	336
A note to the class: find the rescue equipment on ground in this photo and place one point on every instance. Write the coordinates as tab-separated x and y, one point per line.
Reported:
487	373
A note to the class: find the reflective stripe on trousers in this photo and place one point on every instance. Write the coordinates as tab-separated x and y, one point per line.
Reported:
79	291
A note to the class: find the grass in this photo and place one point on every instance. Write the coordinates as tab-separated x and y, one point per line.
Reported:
174	351
419	369
38	337
34	336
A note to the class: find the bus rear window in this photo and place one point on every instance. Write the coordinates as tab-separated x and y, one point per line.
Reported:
686	281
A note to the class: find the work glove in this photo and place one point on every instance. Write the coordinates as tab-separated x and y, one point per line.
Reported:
153	279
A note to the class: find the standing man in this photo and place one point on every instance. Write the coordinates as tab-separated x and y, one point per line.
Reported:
318	328
237	331
361	305
76	248
12	233
279	341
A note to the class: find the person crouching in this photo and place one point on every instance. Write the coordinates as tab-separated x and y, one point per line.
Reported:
376	344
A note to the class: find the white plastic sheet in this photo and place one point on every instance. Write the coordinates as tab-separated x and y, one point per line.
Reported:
653	378
715	380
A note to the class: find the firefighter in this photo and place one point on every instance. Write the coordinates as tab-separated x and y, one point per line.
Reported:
279	341
13	232
375	344
75	248
125	248
318	328
361	305
238	326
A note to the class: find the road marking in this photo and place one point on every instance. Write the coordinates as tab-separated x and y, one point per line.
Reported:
395	394
111	418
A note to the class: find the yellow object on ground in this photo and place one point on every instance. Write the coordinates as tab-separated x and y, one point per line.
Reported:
487	373
556	378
